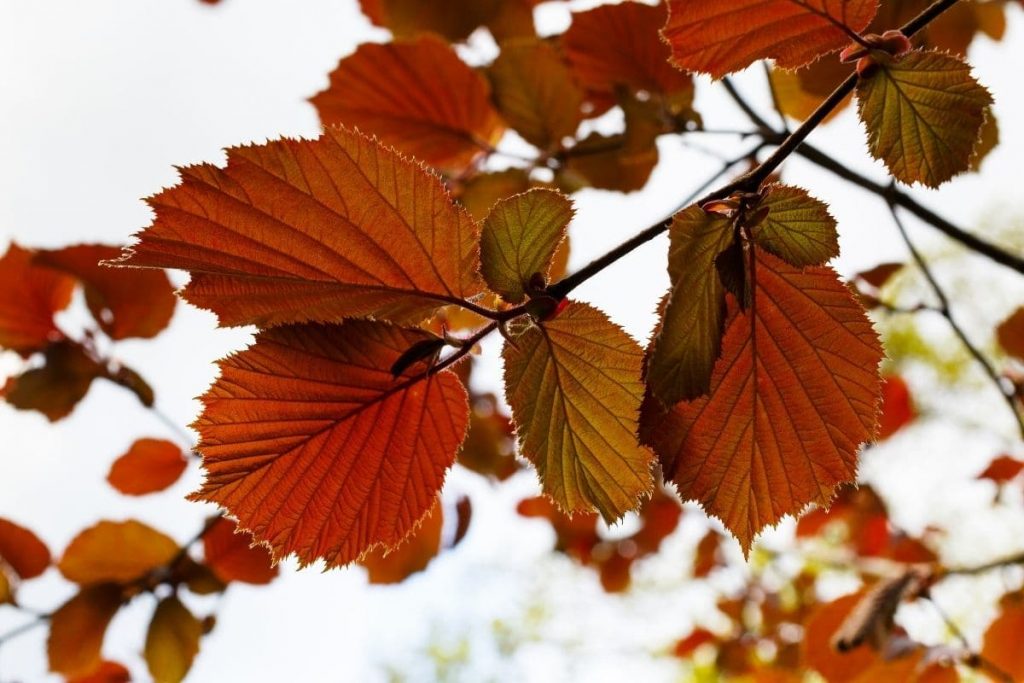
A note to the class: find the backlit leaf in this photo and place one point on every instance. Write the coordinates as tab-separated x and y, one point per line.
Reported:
923	113
77	629
1001	645
481	192
318	450
800	92
519	238
55	388
150	465
298	230
818	652
116	552
489	449
897	406
411	556
453	19
798	228
612	46
535	92
1001	470
172	641
233	557
417	96
574	386
728	35
793	396
687	344
29	297
106	672
22	551
126	303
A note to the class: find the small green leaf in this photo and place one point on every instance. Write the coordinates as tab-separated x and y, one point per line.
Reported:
798	228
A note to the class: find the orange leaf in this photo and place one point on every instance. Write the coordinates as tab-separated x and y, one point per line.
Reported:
793	396
293	231
106	672
1001	645
818	651
720	37
29	297
923	113
125	303
150	465
685	647
233	557
490	442
55	388
315	447
411	556
417	96
535	92
800	92
617	45
519	239
116	552
78	627
172	641
22	550
574	386
453	19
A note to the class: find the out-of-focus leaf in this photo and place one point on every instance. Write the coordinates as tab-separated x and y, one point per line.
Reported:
116	552
897	406
417	96
106	672
55	388
1010	334
1001	644
29	297
453	19
818	652
412	555
150	465
172	641
77	629
125	303
1002	469
231	555
22	550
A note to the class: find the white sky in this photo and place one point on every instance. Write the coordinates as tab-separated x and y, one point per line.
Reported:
100	99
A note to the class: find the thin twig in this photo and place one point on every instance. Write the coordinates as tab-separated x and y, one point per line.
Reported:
945	310
973	658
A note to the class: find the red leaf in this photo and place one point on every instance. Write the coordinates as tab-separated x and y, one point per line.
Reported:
818	652
313	445
897	406
150	465
417	96
106	672
77	629
22	550
233	557
1002	639
126	303
55	388
793	396
29	297
1002	469
728	35
412	556
293	231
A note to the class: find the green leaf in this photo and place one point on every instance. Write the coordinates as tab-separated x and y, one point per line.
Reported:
923	113
687	344
519	237
574	386
798	228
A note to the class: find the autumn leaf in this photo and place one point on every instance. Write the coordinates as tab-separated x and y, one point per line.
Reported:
481	192
318	450
818	652
411	556
574	387
29	297
519	238
55	388
718	38
638	60
231	555
1001	644
453	19
417	96
172	641
686	345
116	552
1002	469
125	303
300	230
77	629
792	397
106	672
535	92
798	228
22	551
897	406
923	113
489	449
150	465
800	92
1010	334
